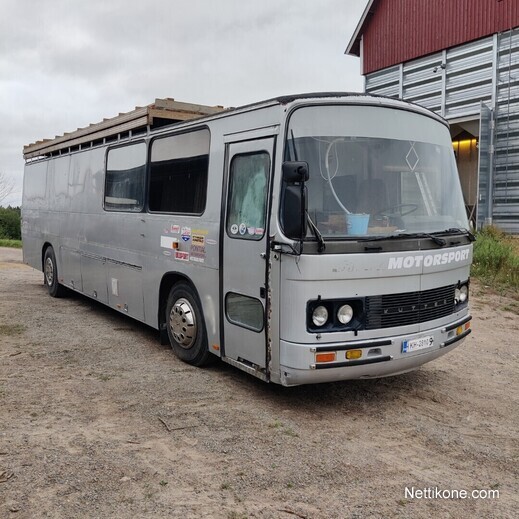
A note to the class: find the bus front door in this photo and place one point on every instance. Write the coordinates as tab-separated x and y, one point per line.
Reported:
245	254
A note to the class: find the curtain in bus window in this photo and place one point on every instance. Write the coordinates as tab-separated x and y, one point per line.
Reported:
248	195
178	174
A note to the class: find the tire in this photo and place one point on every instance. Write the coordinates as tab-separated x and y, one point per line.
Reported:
50	274
186	326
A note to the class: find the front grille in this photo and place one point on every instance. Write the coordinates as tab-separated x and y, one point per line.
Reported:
408	308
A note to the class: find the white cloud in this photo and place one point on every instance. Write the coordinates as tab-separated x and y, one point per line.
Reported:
66	63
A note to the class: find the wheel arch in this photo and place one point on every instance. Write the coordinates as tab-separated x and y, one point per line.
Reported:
169	279
44	248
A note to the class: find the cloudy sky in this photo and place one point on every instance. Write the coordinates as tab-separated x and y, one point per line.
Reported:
67	63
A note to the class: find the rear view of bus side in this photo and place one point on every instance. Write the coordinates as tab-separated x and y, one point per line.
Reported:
303	239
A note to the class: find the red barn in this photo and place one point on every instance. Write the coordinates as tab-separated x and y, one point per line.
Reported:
460	58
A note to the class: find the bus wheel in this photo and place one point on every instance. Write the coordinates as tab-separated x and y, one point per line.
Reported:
50	274
185	325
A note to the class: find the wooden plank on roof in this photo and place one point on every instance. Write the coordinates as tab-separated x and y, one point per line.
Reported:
140	117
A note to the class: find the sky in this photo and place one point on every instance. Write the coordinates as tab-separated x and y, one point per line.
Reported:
67	63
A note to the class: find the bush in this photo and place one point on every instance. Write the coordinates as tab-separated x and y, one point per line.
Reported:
495	258
10	223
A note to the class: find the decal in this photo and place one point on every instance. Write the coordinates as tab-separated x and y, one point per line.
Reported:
200	231
115	287
175	229
428	260
186	233
210	241
198	253
234	229
242	229
251	230
198	239
167	242
260	231
166	252
181	255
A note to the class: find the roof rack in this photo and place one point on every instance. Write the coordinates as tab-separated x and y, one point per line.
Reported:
141	119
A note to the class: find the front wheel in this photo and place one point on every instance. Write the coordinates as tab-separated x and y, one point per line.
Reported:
185	325
50	274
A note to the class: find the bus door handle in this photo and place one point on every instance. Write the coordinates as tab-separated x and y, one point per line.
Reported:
263	255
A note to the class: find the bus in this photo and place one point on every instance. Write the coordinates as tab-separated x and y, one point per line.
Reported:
303	239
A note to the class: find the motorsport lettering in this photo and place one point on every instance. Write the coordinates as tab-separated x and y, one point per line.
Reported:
428	260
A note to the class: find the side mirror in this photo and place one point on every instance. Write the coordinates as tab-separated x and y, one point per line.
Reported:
293	199
295	172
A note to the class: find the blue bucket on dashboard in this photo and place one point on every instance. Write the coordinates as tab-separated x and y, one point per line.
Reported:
357	223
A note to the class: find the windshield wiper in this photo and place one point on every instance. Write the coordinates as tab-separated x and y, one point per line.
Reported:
439	241
457	230
319	237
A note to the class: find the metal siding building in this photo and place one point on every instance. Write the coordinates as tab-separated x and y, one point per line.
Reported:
459	58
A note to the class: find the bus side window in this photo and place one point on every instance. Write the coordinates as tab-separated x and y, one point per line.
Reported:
125	177
178	173
248	196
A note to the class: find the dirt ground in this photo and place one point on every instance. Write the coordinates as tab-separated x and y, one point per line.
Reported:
97	419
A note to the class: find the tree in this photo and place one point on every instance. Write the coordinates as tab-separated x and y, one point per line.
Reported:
6	187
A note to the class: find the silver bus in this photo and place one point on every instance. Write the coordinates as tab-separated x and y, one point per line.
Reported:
303	239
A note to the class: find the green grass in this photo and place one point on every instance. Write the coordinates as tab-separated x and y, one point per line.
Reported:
496	258
15	244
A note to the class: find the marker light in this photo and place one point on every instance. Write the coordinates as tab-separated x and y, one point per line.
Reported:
345	314
325	357
353	354
320	316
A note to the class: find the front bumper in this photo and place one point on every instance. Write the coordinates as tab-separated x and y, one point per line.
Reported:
379	357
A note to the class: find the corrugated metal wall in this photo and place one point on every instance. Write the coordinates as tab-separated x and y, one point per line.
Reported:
506	157
402	30
453	83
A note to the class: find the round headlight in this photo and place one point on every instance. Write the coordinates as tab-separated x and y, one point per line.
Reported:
464	293
345	314
320	316
457	295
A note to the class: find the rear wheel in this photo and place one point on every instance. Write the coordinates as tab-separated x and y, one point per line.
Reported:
185	325
50	274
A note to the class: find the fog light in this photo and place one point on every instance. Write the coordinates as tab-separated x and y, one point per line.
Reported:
320	316
464	293
353	354
345	314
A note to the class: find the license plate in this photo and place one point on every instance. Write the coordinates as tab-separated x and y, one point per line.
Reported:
417	344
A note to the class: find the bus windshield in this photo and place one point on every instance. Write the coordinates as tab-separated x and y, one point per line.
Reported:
376	171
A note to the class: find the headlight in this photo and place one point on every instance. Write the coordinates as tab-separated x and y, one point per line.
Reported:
464	293
320	316
461	294
345	314
457	295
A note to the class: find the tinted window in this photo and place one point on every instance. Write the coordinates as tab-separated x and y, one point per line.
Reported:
178	174
244	311
125	175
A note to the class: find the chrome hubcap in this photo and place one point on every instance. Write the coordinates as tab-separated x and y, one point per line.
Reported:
182	323
49	271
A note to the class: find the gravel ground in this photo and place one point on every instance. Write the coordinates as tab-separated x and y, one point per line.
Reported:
97	419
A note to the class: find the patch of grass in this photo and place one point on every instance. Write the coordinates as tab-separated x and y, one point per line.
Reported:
11	329
163	483
225	486
496	258
15	244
